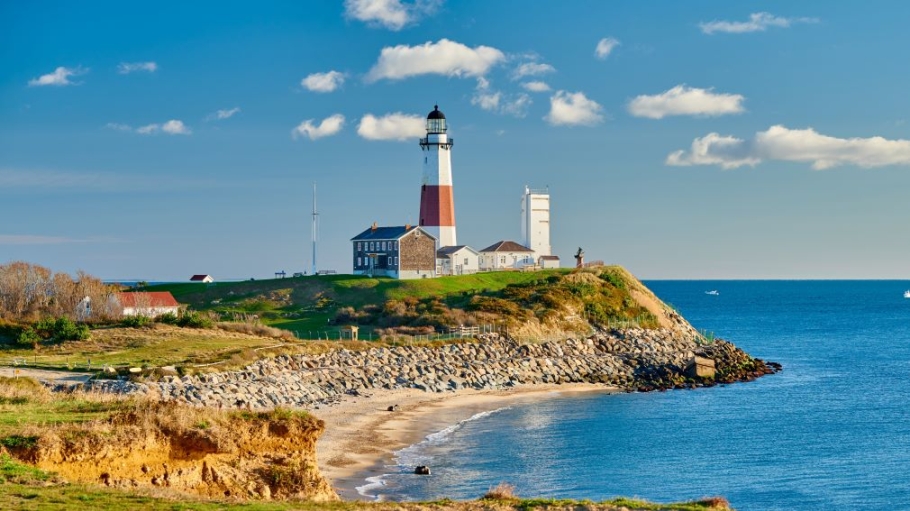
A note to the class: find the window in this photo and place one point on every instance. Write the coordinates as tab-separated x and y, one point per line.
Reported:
502	259
465	261
359	246
383	245
371	246
359	262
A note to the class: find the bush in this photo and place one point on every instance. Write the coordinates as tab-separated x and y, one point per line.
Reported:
28	336
193	319
168	318
136	321
66	330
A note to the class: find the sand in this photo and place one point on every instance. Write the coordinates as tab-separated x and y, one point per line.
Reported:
362	436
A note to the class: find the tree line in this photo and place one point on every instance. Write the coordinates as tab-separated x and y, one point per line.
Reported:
30	292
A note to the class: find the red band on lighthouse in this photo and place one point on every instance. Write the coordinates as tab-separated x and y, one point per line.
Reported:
437	206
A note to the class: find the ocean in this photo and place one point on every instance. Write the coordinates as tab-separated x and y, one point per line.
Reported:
831	431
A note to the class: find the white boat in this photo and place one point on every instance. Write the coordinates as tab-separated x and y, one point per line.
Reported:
907	293
715	292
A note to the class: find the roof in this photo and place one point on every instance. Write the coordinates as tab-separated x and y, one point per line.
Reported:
506	246
550	258
447	251
148	299
388	233
199	277
436	113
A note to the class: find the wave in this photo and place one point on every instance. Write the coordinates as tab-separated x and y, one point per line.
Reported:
409	457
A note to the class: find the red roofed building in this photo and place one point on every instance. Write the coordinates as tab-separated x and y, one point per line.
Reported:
149	304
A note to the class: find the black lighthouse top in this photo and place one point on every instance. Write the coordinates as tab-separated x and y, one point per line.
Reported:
436	121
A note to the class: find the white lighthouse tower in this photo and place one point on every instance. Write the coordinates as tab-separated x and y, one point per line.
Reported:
437	203
535	220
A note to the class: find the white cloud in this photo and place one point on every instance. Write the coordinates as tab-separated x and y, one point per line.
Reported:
118	127
796	145
175	127
172	127
531	69
758	22
60	76
126	68
328	127
496	101
536	86
396	126
391	14
569	109
486	100
445	57
714	149
682	100
605	46
223	114
323	82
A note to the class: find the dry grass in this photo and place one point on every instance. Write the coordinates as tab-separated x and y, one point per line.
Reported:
502	491
257	329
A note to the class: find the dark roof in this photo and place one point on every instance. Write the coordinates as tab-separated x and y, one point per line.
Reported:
447	251
506	246
388	233
550	258
148	299
436	113
198	277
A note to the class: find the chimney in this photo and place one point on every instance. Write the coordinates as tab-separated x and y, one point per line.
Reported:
373	228
407	227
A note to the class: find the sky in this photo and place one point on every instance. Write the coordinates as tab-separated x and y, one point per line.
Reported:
683	140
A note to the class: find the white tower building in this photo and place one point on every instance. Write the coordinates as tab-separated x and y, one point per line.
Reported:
437	203
535	221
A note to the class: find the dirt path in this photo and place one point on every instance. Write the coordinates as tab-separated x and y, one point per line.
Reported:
66	377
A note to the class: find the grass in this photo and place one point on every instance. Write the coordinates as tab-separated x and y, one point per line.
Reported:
27	405
162	345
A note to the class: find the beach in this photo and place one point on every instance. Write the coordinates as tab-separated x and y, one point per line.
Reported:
361	434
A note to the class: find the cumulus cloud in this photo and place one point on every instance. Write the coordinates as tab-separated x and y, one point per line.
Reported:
60	76
758	22
445	57
328	127
532	69
605	46
536	86
172	127
573	108
323	82
220	115
796	145
682	100
390	14
126	68
396	126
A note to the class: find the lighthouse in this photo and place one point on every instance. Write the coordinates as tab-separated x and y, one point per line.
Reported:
437	204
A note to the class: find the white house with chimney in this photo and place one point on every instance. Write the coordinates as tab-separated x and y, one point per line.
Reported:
457	260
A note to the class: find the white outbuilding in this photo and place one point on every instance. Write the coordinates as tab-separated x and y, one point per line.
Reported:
506	255
457	260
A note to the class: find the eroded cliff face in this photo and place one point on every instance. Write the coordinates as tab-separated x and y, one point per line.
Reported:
268	455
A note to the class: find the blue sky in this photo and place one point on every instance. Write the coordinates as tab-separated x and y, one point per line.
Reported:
680	139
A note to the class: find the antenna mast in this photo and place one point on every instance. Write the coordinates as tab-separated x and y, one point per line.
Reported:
315	227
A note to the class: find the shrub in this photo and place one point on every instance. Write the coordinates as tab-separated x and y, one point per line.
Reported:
136	321
168	318
66	330
502	491
193	319
28	336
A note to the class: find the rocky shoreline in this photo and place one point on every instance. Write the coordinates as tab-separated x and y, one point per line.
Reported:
630	359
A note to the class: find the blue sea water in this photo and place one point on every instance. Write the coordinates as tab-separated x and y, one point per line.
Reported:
832	431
